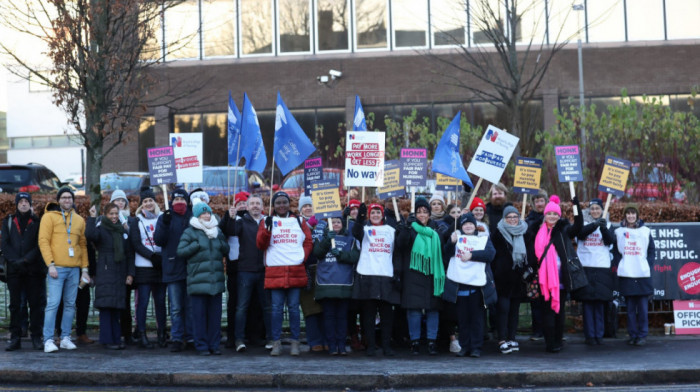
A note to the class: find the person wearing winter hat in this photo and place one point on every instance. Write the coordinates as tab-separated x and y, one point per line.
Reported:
437	206
203	246
286	240
548	244
148	263
465	284
169	229
635	247
423	277
537	204
119	198
593	250
26	271
478	209
198	195
508	267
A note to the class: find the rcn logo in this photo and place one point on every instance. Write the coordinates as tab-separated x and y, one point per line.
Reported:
491	135
352	137
372	232
462	240
278	223
627	234
176	141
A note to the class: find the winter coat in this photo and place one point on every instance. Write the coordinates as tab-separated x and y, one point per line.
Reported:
168	238
533	217
53	237
110	276
416	287
21	250
484	256
509	283
601	281
288	276
372	287
204	257
636	285
495	215
250	257
335	275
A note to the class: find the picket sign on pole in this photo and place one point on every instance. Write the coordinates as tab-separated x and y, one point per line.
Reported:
396	210
235	175
607	205
573	194
228	184
330	227
272	181
474	192
522	214
165	196
413	200
363	194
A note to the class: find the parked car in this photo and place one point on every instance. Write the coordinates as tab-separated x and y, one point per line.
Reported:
293	182
32	177
129	182
219	179
658	184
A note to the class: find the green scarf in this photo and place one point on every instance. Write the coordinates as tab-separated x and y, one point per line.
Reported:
117	231
426	256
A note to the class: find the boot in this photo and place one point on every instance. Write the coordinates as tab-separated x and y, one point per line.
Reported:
415	347
162	339
432	347
37	343
15	344
143	341
276	348
388	352
177	347
294	351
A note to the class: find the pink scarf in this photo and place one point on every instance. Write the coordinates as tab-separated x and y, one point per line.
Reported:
548	273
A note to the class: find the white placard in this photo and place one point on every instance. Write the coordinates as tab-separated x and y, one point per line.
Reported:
493	154
188	156
364	159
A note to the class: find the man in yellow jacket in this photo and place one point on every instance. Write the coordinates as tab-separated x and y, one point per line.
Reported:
64	249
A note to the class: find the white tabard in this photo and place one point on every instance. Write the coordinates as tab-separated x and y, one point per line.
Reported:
593	252
472	273
377	248
286	243
633	245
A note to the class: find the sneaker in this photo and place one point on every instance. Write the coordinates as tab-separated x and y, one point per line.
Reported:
294	350
240	346
66	344
640	342
50	346
536	337
475	353
269	345
455	347
514	346
504	348
276	349
632	341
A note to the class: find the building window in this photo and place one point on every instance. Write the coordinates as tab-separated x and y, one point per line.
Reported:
332	21
219	27
182	30
147	139
410	23
645	20
215	139
606	20
449	22
486	21
153	47
294	23
186	123
564	23
532	22
682	19
371	18
256	27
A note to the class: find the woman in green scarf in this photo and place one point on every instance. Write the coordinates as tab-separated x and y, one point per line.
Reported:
115	266
423	275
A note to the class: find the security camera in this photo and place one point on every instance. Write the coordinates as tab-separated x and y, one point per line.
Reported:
335	74
322	79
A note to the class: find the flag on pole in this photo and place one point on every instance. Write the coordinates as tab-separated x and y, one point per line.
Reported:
447	160
292	146
234	131
252	148
358	123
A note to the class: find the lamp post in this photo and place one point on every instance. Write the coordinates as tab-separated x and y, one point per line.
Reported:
581	7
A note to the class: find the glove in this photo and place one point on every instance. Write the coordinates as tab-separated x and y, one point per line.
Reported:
575	200
268	223
411	218
362	212
346	212
157	260
313	221
331	234
602	223
335	252
167	217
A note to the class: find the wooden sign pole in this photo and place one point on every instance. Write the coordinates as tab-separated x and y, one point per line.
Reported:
607	206
165	196
573	194
522	214
474	192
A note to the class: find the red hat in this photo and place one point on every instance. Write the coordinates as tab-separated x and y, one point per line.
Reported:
378	206
240	196
355	204
477	203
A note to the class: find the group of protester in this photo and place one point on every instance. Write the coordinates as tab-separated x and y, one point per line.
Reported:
438	271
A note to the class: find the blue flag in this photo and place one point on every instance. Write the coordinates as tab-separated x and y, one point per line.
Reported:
447	160
234	131
358	122
292	146
252	148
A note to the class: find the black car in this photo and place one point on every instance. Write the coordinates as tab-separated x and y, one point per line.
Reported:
32	177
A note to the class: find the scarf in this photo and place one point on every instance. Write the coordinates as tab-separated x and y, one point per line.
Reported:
437	216
514	236
23	219
548	273
426	256
180	208
211	228
148	214
117	231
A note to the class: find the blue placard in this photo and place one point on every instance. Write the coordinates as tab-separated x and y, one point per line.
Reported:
161	165
568	163
313	171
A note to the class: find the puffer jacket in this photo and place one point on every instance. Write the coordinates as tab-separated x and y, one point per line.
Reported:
285	277
204	257
21	250
168	238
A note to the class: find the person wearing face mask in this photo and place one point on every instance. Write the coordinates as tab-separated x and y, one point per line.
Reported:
115	271
467	275
169	229
286	240
26	271
149	266
548	245
120	200
635	247
378	275
423	276
594	243
204	246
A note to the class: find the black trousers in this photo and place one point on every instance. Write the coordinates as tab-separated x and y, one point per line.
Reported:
470	320
553	323
34	287
386	315
232	300
82	311
508	314
125	319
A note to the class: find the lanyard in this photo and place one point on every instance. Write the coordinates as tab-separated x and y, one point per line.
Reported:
68	224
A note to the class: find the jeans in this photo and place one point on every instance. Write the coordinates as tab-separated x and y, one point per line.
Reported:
637	316
64	286
249	282
110	329
278	297
593	319
335	322
145	290
206	312
470	321
34	286
180	312
508	314
432	320
82	311
314	330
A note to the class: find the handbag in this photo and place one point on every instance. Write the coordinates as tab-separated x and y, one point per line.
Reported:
577	276
532	288
3	268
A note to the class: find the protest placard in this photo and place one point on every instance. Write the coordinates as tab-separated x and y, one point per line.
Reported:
447	183
325	199
491	157
392	181
414	166
528	172
188	156
161	165
313	171
614	178
686	317
568	163
364	159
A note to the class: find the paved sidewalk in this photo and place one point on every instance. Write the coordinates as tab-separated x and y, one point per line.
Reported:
665	359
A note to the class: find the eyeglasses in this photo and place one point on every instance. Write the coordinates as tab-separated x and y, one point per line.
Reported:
512	217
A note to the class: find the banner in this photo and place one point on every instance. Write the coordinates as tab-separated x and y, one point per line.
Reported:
358	122
364	159
252	148
188	156
686	317
161	165
528	172
493	154
414	166
313	171
447	183
291	146
392	181
325	199
233	119
614	177
568	163
447	159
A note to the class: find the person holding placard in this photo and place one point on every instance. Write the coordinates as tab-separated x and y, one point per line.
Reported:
334	281
350	213
286	240
378	276
423	278
466	280
594	242
508	267
312	310
635	246
550	250
478	209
